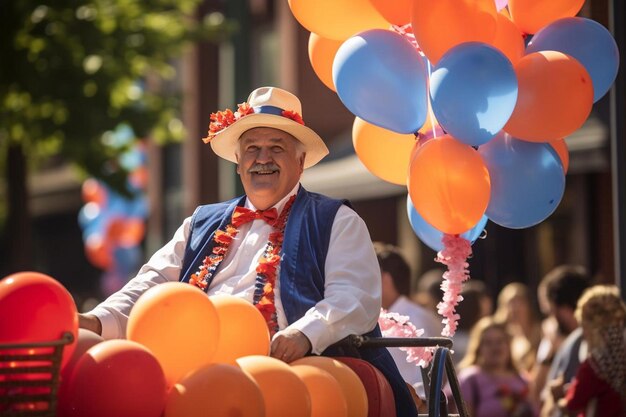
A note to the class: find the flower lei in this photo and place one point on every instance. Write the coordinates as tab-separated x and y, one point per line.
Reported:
220	120
265	271
454	255
395	325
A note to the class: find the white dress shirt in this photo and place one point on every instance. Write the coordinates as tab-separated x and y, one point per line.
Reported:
352	289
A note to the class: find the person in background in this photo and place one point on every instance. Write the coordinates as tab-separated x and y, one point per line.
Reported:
515	308
305	260
599	387
491	384
396	282
476	304
427	289
558	293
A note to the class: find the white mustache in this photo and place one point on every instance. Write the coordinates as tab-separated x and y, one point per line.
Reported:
263	167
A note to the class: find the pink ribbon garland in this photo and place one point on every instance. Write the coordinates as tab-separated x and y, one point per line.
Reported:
396	325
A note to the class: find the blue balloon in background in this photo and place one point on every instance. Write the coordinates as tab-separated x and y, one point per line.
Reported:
587	41
527	181
431	236
381	78
473	91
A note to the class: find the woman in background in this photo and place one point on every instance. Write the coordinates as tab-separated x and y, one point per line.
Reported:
599	388
514	307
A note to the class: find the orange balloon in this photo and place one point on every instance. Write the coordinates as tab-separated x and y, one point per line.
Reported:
353	389
560	146
243	330
98	251
449	184
93	192
215	390
554	99
439	25
327	398
179	324
383	152
397	12
338	20
509	39
284	392
117	378
532	15
126	232
321	54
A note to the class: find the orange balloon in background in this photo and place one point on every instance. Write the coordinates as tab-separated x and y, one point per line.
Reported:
384	153
397	12
98	251
179	324
449	184
509	39
284	392
321	54
554	99
243	330
439	25
334	19
349	381
126	232
532	15
117	378
560	146
327	398
93	192
214	391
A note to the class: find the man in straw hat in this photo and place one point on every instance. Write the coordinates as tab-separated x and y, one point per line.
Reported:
305	260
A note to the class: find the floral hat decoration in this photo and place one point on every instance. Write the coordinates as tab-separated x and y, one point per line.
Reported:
266	107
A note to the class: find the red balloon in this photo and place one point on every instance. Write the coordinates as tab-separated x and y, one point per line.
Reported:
118	378
86	340
35	307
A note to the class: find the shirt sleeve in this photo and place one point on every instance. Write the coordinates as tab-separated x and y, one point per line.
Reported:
352	289
163	266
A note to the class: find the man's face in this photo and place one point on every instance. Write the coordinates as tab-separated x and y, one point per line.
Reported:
269	165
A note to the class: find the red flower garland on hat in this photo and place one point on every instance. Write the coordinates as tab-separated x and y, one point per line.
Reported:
222	119
293	115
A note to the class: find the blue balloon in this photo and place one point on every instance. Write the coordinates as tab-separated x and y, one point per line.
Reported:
527	181
431	236
473	91
587	41
381	78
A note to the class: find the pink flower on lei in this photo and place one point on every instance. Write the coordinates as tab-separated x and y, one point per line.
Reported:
454	255
395	325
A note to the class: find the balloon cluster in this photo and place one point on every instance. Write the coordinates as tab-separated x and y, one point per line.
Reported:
456	100
114	225
186	354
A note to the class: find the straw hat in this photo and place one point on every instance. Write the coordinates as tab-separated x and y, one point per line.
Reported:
266	107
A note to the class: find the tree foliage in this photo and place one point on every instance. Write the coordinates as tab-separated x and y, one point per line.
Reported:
74	70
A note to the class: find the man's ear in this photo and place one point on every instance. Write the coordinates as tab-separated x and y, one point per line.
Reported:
302	158
237	160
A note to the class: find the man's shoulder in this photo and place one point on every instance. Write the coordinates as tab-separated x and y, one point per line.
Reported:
324	200
213	209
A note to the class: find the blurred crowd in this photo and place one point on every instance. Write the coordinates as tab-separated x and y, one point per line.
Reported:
556	352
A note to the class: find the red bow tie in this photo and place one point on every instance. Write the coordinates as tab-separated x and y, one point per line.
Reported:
243	215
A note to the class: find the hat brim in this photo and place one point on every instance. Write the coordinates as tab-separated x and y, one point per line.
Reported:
225	143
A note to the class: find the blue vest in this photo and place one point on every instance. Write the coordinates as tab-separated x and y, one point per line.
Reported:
306	241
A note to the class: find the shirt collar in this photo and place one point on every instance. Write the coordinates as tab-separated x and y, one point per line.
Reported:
279	206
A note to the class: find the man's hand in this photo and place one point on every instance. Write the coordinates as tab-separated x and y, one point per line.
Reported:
90	322
289	345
